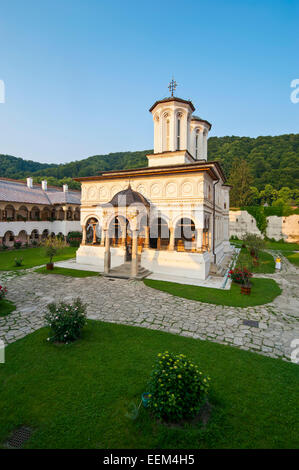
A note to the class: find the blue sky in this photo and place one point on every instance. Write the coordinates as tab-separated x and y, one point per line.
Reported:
80	75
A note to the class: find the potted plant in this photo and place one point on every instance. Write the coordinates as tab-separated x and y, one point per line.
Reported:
241	276
52	247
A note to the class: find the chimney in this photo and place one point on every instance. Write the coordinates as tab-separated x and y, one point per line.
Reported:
44	185
29	183
65	188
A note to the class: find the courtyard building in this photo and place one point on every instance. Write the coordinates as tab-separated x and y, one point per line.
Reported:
31	212
171	217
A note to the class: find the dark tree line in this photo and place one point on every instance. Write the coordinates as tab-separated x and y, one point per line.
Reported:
257	161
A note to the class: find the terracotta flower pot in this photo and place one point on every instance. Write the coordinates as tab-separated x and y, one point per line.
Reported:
246	290
50	266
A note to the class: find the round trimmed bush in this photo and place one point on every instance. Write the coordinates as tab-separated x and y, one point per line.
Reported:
177	388
66	320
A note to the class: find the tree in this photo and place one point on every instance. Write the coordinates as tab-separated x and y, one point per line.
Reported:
241	180
269	195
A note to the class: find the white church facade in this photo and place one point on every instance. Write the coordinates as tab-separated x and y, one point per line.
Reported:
169	218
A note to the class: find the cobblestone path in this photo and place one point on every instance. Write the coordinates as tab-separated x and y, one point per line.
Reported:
133	303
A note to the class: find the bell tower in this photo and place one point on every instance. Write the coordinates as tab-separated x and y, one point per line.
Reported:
179	137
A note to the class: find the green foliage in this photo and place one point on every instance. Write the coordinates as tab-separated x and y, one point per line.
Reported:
74	238
241	179
258	212
18	261
263	292
177	387
6	307
53	245
66	320
240	276
272	160
254	243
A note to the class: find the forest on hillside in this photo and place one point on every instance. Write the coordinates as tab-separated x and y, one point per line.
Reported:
265	160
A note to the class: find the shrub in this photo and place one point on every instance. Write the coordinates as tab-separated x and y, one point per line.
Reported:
18	261
66	320
3	292
53	246
254	243
177	388
240	276
74	238
17	244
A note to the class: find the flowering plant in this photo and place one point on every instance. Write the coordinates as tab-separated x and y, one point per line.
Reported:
240	275
177	387
66	320
3	292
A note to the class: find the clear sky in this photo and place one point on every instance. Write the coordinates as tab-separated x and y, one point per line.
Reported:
80	75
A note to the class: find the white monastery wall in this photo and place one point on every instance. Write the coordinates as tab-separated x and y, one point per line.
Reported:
286	228
57	226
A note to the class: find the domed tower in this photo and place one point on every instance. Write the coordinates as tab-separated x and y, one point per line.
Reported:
179	136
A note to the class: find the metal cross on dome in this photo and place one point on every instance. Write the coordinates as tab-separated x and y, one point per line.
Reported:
172	86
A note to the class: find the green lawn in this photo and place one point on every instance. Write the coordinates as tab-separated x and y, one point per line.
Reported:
266	262
263	291
6	307
67	272
32	257
83	395
293	258
279	246
282	246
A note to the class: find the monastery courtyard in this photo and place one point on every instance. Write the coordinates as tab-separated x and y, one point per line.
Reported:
131	302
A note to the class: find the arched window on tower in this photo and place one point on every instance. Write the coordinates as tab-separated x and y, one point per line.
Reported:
196	145
178	143
167	135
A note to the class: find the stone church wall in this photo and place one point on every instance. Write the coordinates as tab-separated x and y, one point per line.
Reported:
287	228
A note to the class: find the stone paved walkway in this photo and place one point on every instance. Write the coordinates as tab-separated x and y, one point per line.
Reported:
133	303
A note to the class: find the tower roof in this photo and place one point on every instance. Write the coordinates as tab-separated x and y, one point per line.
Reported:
197	118
172	98
127	197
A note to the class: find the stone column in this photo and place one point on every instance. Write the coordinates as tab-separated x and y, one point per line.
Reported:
147	237
199	241
83	242
171	239
107	258
134	262
94	237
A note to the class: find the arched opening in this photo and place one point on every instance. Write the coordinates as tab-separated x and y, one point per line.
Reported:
77	214
8	239
34	237
9	213
22	214
93	231
35	213
53	214
46	214
22	237
185	234
159	234
69	214
60	214
45	234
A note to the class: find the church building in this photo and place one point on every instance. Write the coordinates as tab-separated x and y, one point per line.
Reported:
170	218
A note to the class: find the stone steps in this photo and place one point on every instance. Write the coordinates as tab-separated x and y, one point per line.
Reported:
124	272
